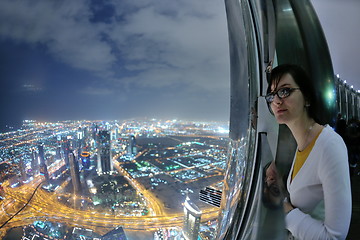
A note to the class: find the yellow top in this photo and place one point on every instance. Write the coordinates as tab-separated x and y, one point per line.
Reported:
302	156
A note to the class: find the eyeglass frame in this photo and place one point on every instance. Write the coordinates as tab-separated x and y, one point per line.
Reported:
272	94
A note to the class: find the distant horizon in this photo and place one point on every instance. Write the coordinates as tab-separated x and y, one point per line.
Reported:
113	60
9	129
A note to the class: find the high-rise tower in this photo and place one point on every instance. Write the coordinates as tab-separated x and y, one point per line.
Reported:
34	161
95	132
22	166
132	150
66	150
104	165
58	153
192	216
74	171
43	167
85	160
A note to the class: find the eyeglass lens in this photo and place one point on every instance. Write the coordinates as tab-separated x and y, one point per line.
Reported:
281	93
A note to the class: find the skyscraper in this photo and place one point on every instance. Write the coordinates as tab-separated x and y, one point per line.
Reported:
58	153
22	166
43	167
80	133
85	160
95	131
74	171
192	216
66	150
81	138
104	153
34	161
132	150
114	133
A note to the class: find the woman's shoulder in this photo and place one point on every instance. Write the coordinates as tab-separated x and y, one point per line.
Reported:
330	154
329	134
330	140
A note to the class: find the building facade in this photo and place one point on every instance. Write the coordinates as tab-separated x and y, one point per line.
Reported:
104	158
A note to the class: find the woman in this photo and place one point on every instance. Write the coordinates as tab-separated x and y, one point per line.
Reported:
319	203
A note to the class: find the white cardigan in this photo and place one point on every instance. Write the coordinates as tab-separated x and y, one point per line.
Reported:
321	192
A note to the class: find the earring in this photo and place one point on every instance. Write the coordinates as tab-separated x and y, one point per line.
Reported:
307	105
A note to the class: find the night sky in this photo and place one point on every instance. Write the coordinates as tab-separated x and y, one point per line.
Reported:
125	59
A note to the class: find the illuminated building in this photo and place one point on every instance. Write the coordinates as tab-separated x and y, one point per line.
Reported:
80	134
160	235
192	217
94	131
104	163
85	160
43	167
114	134
66	149
58	153
83	233
34	162
211	196
74	171
22	166
81	137
132	150
117	233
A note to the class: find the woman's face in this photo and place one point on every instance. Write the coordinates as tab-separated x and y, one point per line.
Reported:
271	174
272	190
291	108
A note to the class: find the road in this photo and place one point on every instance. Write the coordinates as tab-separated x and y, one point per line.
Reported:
44	206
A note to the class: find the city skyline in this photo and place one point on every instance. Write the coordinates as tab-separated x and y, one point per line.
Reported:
120	60
172	161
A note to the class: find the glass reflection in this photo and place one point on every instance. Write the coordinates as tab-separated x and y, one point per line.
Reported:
245	85
273	187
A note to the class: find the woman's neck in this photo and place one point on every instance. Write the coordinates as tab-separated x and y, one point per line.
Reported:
303	132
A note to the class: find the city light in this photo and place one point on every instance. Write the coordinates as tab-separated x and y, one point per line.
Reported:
154	163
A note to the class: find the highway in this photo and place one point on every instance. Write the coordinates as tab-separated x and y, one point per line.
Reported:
29	202
44	206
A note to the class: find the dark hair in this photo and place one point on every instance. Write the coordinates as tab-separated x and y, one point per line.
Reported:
302	79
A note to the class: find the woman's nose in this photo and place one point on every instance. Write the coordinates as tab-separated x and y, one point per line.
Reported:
277	100
270	180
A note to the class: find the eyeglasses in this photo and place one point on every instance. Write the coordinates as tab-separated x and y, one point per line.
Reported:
281	93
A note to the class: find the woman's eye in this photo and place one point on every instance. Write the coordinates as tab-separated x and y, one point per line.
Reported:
284	91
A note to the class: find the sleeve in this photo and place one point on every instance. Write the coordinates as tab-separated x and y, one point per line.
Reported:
334	176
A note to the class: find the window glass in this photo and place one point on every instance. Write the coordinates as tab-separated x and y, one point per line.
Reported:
115	118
